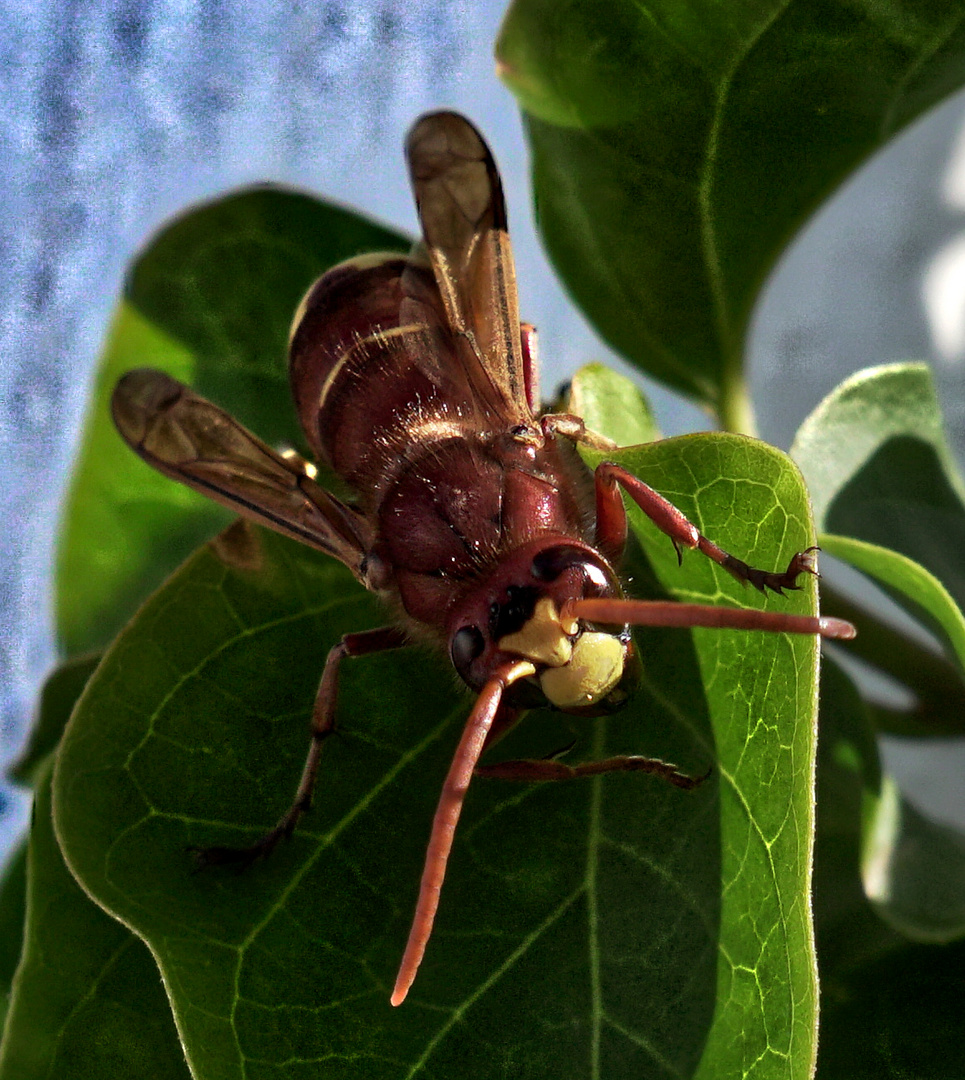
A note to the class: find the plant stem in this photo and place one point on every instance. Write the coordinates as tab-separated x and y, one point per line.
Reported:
736	410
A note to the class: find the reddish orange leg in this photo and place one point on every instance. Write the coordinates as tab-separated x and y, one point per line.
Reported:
474	737
323	724
550	769
573	428
611	530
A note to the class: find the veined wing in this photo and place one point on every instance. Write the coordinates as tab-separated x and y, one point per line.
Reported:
191	440
460	200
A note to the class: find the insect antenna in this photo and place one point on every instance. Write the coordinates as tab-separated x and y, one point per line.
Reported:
671	613
447	816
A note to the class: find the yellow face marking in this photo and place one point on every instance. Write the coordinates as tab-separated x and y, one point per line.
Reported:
541	639
594	670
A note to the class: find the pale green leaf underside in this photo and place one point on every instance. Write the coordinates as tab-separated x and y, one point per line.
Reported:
611	405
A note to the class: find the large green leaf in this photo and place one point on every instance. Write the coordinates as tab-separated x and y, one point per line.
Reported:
614	926
210	301
87	1000
677	147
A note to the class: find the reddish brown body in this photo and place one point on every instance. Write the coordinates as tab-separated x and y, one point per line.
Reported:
447	491
414	380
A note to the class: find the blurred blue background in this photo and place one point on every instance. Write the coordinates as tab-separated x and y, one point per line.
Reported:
118	113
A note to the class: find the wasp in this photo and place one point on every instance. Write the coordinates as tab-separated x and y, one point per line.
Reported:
473	517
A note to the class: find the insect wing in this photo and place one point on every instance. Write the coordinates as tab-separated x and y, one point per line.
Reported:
191	440
460	200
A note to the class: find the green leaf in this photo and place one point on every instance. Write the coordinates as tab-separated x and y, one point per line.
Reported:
611	405
87	999
615	926
905	579
210	301
13	907
677	147
763	713
850	444
848	786
57	699
914	870
888	500
889	1008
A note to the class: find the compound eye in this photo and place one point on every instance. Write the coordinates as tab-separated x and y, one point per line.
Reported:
551	562
548	565
595	582
467	644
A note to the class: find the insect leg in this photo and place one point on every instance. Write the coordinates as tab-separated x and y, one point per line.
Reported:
572	427
611	530
545	769
323	724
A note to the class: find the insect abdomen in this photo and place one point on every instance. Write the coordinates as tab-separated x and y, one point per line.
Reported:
363	369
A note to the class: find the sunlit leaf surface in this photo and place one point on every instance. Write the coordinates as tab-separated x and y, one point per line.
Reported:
615	926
